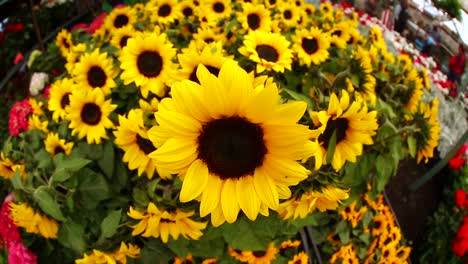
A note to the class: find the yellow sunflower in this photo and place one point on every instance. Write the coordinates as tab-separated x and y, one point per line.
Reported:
309	9
217	9
272	4
262	256
288	14
150	104
131	136
8	168
339	35
429	130
146	60
95	70
237	149
35	122
24	216
64	42
289	244
412	94
212	57
54	145
59	99
269	50
311	46
238	255
73	56
121	36
118	256
188	9
380	224
349	125
375	35
300	258
255	17
165	12
425	77
161	223
119	18
89	115
205	36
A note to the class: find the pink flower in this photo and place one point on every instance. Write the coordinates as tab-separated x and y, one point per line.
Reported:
18	117
19	254
8	230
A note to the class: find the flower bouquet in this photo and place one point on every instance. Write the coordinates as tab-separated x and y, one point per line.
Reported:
208	131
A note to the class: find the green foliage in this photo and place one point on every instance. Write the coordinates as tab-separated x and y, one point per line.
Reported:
452	7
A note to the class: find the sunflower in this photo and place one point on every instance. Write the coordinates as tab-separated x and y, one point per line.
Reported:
327	198
205	36
412	92
300	258
235	149
326	8
348	125
188	9
131	137
262	256
146	60
24	216
403	253
212	57
375	35
161	223
347	254
388	251
269	50
95	70
35	123
59	99
150	104
429	127
165	12
288	14
311	46
8	168
272	4
255	17
54	145
89	115
119	18
64	42
73	56
380	225
309	9
217	9
405	62
425	77
289	244
239	255
121	36
339	35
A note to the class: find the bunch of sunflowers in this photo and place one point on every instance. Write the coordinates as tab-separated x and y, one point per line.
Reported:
211	131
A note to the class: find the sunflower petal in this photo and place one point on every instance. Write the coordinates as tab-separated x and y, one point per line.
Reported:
195	181
247	197
266	189
229	203
211	195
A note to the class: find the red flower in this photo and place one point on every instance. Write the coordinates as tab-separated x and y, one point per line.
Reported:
456	163
346	5
79	26
96	24
460	242
18	58
18	117
14	27
460	198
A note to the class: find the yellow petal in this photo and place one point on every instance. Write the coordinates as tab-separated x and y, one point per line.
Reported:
195	181
238	85
211	195
266	189
229	202
247	197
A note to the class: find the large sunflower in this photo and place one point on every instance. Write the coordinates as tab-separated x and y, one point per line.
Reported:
119	18
89	115
237	148
146	60
311	46
161	223
54	145
95	70
269	50
350	124
64	42
131	137
59	99
255	17
212	57
165	11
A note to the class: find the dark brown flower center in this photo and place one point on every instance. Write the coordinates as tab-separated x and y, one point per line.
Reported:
65	43
267	52
123	41
272	2
65	100
149	63
96	77
218	7
287	14
208	40
310	45
145	144
298	3
213	70
120	21
253	20
91	114
166	221
187	11
164	10
337	33
377	224
259	253
232	147
340	125
308	11
58	149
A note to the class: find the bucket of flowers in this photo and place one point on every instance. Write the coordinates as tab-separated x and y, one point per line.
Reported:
208	131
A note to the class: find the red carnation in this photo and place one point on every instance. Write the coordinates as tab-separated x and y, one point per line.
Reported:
460	198
456	163
18	117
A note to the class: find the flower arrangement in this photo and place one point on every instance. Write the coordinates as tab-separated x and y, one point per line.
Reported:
210	131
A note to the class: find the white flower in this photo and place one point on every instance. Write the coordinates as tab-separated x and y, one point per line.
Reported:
38	82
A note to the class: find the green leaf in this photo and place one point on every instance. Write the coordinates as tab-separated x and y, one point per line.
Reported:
110	224
153	250
384	169
43	158
61	175
331	147
106	6
93	188
140	197
367	218
106	162
381	76
16	181
412	146
355	80
47	203
243	236
299	97
365	237
72	164
71	235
